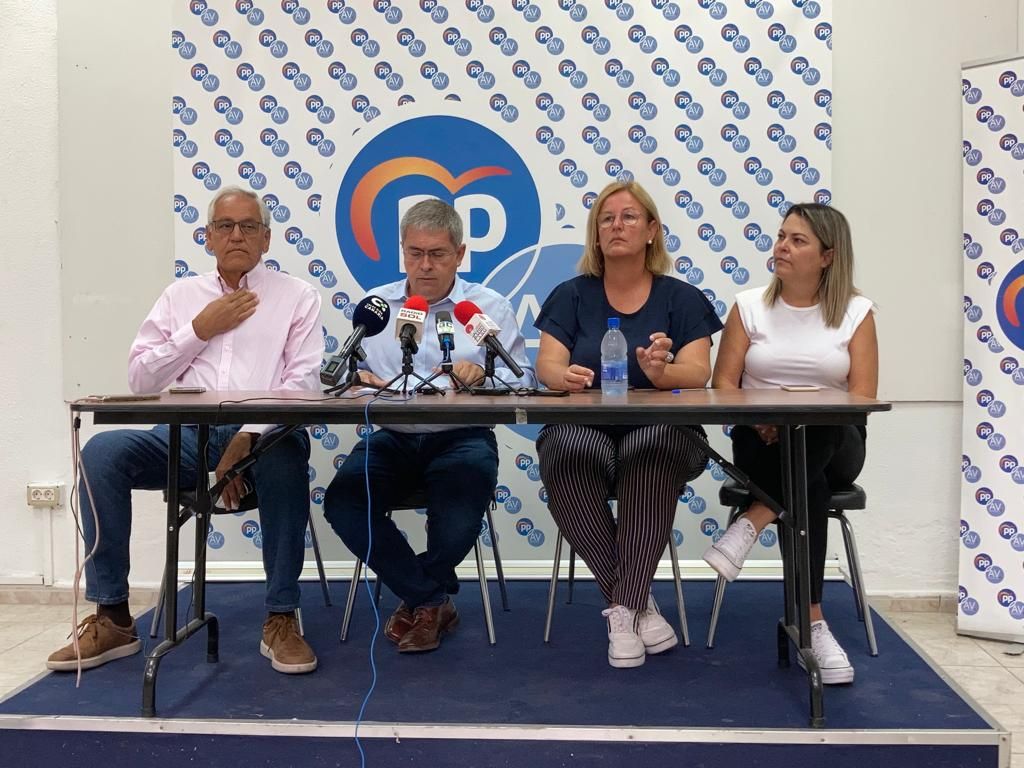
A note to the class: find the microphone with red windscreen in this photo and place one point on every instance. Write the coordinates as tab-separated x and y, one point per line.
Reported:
409	323
484	332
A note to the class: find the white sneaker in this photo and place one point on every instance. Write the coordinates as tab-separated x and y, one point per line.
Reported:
656	633
728	554
832	659
625	648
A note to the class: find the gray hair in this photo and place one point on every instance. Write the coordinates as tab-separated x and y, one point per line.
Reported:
231	192
433	215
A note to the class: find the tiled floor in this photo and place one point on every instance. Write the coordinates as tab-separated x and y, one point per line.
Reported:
29	633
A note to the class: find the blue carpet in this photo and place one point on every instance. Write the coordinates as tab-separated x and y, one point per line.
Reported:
735	685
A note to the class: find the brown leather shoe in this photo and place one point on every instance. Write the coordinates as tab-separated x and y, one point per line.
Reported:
429	623
399	623
285	647
99	640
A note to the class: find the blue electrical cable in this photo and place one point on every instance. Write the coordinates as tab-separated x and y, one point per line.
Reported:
366	582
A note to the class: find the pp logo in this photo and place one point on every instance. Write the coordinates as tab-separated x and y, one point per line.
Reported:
982	562
1009	305
250	528
708	526
524	461
523	526
317	495
425	157
317	431
1007	530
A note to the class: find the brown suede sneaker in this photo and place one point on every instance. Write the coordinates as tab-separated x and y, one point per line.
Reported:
99	640
285	647
429	623
399	623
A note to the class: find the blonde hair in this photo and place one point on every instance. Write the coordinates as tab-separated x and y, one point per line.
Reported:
836	287
656	258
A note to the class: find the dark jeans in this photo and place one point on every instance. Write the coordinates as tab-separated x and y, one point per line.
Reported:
835	456
458	470
121	460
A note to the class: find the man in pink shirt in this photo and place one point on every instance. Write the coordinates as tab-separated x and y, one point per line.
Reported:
239	327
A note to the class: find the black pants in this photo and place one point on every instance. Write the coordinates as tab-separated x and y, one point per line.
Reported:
835	456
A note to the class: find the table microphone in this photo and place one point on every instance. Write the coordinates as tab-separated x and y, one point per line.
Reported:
409	323
445	331
370	317
484	332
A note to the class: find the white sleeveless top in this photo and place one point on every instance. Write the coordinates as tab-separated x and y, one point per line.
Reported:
792	345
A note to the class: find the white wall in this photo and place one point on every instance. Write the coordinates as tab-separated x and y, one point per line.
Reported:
896	174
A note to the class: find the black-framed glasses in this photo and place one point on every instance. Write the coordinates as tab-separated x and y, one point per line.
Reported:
225	227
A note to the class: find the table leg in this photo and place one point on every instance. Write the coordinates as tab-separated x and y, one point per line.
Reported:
797	560
172	635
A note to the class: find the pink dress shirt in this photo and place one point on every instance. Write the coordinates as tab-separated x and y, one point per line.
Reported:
280	347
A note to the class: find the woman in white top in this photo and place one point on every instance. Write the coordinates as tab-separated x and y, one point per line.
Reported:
809	326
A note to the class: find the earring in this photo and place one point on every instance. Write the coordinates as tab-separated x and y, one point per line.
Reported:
650	242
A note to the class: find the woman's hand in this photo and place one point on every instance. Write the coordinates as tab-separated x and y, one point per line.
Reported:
577	378
653	359
769	433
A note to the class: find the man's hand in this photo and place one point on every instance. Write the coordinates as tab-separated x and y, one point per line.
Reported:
224	314
769	433
370	379
239	447
471	373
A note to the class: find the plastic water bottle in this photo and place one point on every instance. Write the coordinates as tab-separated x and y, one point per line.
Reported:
614	367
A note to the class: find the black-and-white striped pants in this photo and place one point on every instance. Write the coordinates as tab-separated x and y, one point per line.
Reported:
644	467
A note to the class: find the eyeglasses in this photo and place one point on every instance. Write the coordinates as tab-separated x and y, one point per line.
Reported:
224	227
628	219
435	257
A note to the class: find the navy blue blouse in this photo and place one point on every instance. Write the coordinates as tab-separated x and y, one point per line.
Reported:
577	311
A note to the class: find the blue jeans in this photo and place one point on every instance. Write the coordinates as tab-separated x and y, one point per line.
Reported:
121	460
458	470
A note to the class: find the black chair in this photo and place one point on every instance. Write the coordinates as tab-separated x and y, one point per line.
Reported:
732	495
553	586
418	500
248	503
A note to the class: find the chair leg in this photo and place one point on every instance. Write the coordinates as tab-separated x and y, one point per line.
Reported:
678	582
857	576
720	583
485	595
350	601
319	562
553	587
497	559
716	607
298	618
158	612
572	574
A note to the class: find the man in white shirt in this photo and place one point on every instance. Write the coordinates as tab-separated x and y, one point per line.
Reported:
239	327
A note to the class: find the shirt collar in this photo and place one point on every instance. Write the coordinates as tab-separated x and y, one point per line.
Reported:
251	280
397	291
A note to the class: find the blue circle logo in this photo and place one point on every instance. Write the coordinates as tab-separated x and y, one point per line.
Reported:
457	160
1010	305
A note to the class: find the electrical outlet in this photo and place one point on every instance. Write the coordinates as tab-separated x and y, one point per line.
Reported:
44	494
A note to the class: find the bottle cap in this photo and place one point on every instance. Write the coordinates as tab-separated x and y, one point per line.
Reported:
613	323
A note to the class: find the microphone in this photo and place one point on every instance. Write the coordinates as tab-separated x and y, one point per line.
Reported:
484	331
370	317
409	324
445	331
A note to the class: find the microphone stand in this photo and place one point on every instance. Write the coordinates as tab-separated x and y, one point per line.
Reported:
447	369
493	389
352	377
409	349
